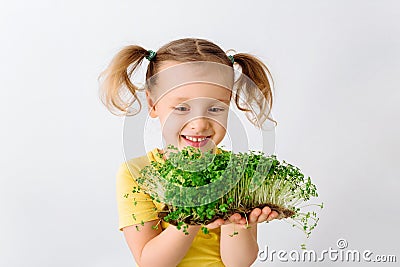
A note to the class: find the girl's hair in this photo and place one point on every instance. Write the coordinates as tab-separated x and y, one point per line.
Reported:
118	93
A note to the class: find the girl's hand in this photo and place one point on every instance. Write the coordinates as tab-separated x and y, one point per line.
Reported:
256	216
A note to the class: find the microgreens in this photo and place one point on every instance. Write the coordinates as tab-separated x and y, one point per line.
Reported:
235	183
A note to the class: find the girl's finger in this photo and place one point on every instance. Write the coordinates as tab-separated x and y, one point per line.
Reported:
272	215
235	218
266	211
215	224
253	218
243	221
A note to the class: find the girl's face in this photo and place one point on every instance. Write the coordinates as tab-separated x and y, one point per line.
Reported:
193	114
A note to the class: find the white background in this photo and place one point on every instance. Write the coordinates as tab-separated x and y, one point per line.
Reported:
335	64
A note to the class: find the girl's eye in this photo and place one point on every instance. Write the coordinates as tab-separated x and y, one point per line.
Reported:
181	108
216	109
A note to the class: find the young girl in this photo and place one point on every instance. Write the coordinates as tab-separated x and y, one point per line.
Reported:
188	87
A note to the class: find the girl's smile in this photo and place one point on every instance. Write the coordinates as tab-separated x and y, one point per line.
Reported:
196	141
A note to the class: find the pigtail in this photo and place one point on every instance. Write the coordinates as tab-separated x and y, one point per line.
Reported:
117	92
255	89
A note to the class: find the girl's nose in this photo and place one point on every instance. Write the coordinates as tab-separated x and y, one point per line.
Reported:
199	124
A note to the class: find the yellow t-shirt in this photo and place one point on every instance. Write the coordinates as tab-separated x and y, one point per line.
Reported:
205	249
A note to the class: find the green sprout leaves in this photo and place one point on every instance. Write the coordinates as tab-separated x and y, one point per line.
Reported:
199	187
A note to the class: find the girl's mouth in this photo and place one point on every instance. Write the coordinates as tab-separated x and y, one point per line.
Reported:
196	141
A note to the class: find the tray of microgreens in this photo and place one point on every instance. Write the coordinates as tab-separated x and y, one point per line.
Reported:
198	187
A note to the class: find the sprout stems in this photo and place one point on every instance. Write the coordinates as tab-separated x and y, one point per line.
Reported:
255	180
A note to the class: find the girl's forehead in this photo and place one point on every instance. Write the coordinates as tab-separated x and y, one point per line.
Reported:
197	75
200	90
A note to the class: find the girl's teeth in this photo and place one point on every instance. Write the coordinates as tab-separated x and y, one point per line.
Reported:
195	139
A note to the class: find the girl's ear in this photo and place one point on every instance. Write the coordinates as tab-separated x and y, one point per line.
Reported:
152	108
